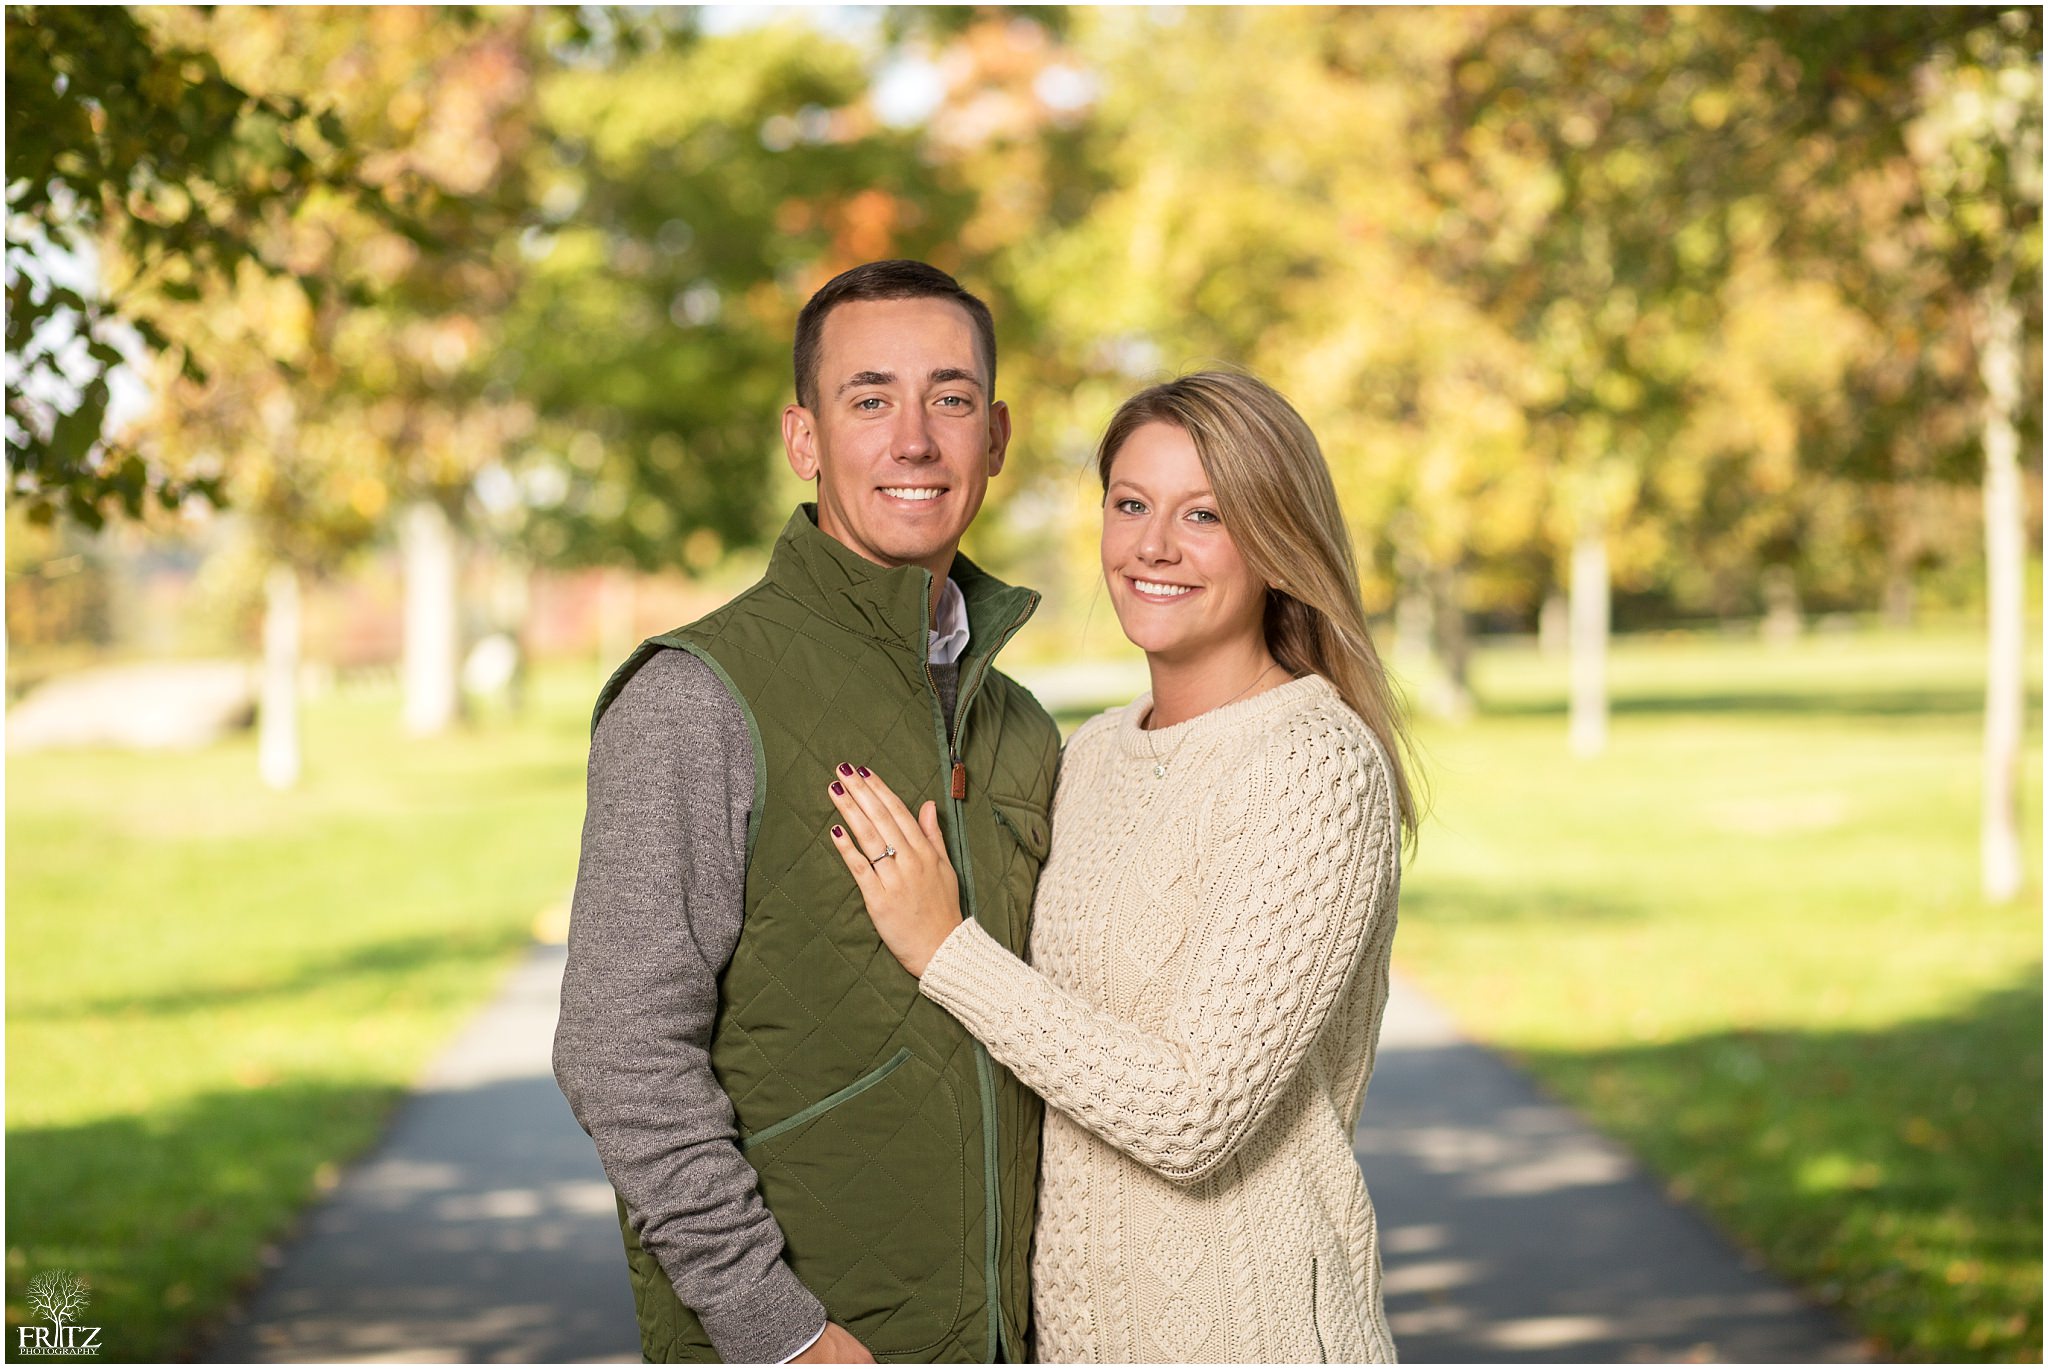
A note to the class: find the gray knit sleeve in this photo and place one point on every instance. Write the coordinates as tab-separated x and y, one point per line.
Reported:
656	915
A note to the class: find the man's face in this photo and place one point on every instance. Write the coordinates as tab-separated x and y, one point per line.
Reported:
904	437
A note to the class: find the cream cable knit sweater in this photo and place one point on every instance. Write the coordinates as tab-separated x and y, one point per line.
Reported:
1209	952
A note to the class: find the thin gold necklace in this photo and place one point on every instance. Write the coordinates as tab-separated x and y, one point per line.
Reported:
1159	766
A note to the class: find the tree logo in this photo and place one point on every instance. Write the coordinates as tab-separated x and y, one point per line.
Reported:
59	1295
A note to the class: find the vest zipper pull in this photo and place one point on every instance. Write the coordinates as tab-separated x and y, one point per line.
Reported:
959	779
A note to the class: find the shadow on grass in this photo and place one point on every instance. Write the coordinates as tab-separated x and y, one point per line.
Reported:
165	1214
1896	1170
1876	703
381	962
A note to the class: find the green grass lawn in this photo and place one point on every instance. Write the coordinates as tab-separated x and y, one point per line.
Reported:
1748	941
215	994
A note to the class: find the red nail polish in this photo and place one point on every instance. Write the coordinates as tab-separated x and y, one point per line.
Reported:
865	773
838	831
838	788
845	769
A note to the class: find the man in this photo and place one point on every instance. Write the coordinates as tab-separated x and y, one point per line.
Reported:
812	1160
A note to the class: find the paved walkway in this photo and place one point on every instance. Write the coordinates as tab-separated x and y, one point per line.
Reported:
1511	1232
481	1230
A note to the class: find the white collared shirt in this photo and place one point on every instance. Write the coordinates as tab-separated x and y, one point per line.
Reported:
947	639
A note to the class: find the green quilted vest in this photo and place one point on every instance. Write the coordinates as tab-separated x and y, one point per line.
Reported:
900	1161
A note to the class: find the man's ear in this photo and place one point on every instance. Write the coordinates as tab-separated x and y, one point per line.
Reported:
998	435
800	442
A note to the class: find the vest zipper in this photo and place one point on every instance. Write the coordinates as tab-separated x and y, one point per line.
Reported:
984	1068
967	694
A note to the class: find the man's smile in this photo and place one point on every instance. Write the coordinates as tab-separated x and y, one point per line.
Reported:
913	494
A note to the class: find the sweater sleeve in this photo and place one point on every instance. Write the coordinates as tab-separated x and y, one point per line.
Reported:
657	912
1300	863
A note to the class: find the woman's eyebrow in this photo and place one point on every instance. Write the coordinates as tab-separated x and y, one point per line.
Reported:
1135	488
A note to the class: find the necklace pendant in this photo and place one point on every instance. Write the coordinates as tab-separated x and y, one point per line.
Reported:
1159	769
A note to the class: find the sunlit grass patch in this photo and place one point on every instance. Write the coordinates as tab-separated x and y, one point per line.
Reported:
1748	940
215	994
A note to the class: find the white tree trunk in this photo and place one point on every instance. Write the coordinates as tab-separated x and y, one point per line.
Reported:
277	718
1782	621
1552	624
427	545
1414	622
1898	599
2005	568
1589	626
1451	640
1902	549
511	607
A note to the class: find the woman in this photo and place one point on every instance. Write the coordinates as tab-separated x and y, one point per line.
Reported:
1211	930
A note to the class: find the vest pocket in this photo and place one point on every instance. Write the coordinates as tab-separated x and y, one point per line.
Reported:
1022	837
1026	825
870	1187
829	1101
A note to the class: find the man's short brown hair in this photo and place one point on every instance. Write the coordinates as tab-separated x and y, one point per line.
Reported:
877	280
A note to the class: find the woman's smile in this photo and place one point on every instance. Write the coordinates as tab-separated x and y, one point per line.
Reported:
1180	588
1158	591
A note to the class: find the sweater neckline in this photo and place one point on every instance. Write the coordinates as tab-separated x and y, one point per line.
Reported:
1159	745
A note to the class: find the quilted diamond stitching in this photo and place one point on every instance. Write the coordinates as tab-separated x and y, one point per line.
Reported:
770	644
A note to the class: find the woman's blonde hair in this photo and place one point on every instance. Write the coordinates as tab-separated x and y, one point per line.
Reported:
1273	489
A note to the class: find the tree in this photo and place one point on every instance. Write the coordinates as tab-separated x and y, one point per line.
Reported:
1977	145
1944	108
1289	215
691	192
122	136
1609	156
320	416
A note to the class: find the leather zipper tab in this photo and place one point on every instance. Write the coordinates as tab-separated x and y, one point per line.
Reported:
959	779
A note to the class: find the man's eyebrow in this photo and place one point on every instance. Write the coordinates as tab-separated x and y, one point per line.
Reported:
865	378
944	375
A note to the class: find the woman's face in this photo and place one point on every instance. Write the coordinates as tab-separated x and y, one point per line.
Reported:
1180	588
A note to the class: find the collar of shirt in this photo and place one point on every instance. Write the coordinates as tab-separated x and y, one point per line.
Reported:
948	637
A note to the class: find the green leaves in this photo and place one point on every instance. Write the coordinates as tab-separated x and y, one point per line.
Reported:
692	193
130	147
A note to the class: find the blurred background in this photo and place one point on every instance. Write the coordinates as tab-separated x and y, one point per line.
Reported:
377	377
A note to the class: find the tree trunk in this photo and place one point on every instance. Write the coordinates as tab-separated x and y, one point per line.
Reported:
1589	626
277	718
1451	642
1782	621
512	606
1902	549
1553	624
2005	569
1898	598
427	544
